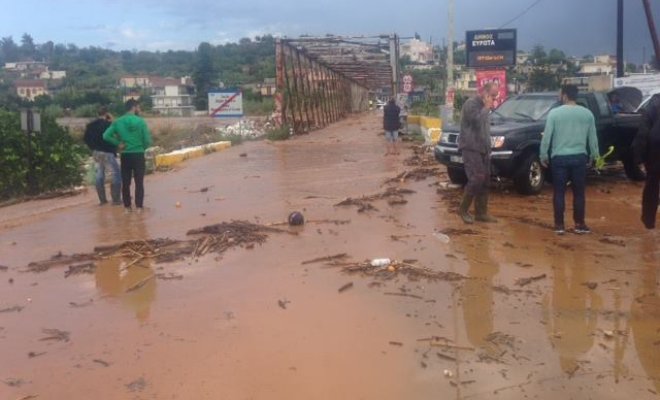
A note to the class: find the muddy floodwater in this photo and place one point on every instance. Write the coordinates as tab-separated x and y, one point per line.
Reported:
255	309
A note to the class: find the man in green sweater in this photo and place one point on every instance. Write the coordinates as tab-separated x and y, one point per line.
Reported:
569	143
131	136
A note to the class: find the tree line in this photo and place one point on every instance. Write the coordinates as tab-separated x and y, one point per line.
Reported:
93	72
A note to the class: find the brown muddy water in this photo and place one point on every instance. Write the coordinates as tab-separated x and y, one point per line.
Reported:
505	311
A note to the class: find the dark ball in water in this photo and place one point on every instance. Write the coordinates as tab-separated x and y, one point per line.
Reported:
296	218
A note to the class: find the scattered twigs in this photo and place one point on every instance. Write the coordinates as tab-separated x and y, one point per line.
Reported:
527	281
335	257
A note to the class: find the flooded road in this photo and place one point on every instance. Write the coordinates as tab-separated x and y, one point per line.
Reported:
507	310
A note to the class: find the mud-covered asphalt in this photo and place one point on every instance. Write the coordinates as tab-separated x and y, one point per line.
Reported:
507	311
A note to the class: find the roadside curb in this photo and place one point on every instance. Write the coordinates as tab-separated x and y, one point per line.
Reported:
179	156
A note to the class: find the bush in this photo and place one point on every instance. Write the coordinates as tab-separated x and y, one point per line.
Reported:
53	111
264	106
87	111
57	159
425	108
234	139
282	133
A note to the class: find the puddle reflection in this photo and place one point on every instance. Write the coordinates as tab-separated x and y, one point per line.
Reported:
571	310
131	280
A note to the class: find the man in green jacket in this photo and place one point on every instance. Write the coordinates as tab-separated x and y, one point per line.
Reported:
131	136
569	143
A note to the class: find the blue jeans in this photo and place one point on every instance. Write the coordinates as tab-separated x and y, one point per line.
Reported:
569	168
107	161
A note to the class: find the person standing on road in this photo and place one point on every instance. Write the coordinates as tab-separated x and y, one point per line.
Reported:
391	124
131	136
474	143
646	147
569	143
105	157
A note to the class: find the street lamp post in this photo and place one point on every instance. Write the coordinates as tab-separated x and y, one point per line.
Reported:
30	123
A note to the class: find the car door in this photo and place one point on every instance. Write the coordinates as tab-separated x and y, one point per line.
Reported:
605	126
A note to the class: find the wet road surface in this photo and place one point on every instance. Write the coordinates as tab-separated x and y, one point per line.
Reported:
529	315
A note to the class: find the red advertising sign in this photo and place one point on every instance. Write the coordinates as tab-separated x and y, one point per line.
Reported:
495	76
407	83
450	96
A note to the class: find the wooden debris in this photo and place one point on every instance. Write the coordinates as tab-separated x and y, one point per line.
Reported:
315	221
345	287
417	174
140	284
610	240
80	305
414	296
411	271
445	356
327	258
12	309
103	363
214	239
86	268
458	232
283	303
364	203
393	343
526	281
28	397
56	334
169	276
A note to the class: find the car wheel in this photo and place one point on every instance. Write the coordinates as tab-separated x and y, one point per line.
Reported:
530	176
457	175
633	171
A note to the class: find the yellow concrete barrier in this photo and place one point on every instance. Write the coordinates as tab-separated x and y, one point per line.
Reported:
429	122
414	120
430	127
179	156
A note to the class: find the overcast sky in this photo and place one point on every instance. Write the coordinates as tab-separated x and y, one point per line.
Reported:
578	27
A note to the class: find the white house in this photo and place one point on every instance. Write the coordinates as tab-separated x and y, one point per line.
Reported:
30	89
418	51
172	97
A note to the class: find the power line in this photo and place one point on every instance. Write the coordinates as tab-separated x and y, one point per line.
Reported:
522	13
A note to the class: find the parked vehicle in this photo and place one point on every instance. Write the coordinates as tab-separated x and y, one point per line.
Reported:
516	131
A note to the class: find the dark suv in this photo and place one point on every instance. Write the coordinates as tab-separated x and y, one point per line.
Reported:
516	131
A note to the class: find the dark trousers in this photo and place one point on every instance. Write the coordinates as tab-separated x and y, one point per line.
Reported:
569	168
132	167
477	169
651	193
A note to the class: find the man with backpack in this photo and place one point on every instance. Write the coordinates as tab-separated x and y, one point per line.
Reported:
646	147
105	156
391	124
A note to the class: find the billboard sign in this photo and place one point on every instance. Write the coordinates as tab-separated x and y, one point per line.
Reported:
647	83
226	103
497	77
491	48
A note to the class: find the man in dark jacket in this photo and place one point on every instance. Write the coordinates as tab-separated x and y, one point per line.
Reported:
105	157
474	143
646	148
391	124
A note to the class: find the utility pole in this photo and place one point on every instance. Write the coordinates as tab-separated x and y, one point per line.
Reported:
620	67
394	63
653	31
450	47
447	111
